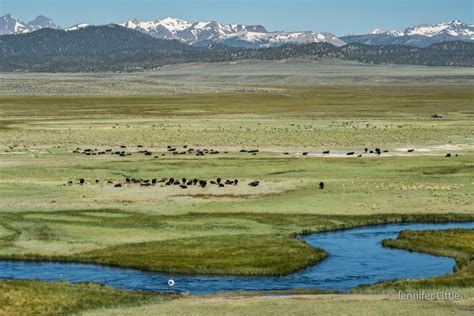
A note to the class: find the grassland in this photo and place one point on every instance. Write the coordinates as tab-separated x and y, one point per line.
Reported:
232	77
236	229
60	298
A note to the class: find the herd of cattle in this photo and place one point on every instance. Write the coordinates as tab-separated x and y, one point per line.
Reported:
182	183
202	152
122	152
185	183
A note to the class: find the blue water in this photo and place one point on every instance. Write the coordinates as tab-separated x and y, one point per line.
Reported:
355	257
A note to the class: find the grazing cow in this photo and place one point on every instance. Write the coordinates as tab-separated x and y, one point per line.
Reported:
190	182
82	181
253	151
243	151
148	153
202	183
371	151
321	185
456	155
213	182
97	180
411	150
185	146
229	182
183	186
359	156
385	151
118	185
139	146
221	185
177	182
326	152
254	183
350	153
69	182
286	153
448	155
305	153
123	146
436	116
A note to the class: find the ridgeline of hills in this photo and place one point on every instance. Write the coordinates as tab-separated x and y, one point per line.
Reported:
117	48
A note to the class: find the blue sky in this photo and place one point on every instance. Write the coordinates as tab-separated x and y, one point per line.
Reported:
336	16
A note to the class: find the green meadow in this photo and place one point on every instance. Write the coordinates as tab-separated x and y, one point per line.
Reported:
46	214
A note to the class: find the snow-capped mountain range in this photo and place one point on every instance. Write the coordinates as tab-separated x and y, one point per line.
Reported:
420	35
12	25
204	33
256	36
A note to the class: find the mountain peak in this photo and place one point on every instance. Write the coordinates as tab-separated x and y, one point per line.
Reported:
41	22
378	31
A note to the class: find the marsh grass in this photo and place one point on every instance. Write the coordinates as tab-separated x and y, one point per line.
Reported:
63	298
202	243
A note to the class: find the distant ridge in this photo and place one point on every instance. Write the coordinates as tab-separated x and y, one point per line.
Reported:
116	48
204	33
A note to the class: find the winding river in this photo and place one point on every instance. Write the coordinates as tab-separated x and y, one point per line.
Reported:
355	257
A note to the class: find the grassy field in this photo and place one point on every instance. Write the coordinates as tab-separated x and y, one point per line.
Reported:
298	305
45	213
60	298
232	77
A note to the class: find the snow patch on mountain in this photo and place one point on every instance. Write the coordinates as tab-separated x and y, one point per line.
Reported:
77	27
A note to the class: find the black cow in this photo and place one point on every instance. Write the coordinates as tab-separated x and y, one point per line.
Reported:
254	183
350	153
326	152
448	155
321	185
82	181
